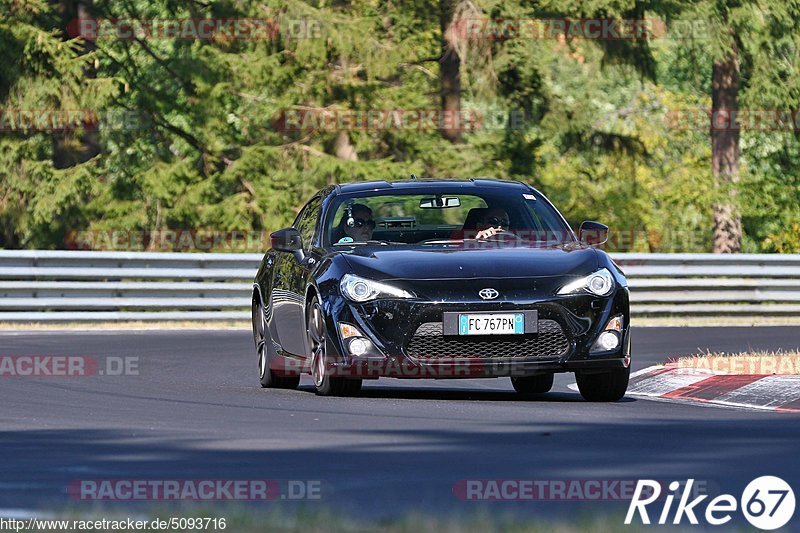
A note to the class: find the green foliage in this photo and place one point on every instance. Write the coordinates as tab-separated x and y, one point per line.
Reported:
584	121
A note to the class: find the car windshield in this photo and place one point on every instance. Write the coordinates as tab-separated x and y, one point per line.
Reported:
444	217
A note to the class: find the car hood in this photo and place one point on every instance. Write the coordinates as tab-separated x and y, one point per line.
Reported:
436	263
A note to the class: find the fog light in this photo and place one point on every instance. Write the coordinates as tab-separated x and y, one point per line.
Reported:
608	341
359	346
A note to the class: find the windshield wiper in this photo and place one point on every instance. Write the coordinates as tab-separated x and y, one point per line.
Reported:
442	241
371	242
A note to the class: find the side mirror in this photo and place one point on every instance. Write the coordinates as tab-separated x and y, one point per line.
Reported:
592	233
287	240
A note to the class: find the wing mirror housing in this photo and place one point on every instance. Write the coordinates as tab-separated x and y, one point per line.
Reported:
287	240
592	233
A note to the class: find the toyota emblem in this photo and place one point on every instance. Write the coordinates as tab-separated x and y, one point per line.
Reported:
488	294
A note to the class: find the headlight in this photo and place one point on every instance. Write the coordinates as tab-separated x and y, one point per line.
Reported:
361	289
599	283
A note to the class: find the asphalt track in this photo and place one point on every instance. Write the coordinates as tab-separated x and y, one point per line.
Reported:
195	411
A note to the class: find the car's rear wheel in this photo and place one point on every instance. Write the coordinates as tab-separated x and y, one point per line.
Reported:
325	383
603	386
538	384
267	376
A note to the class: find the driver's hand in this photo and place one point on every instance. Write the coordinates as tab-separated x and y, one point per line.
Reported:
489	232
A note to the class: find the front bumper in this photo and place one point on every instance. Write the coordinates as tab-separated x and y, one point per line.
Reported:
391	325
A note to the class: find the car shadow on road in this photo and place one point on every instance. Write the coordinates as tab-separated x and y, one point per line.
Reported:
460	394
370	467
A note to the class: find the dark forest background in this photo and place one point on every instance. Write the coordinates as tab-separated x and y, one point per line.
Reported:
191	133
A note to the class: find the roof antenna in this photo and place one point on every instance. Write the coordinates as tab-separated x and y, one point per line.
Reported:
413	176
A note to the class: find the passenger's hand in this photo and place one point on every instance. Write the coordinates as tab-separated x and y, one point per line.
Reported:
489	232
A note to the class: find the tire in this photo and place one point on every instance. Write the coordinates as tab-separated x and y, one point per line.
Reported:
325	384
604	387
538	384
265	353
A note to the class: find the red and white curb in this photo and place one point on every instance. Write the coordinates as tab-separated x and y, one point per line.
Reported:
766	392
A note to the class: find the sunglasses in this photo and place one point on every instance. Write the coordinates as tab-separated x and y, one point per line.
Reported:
497	222
360	222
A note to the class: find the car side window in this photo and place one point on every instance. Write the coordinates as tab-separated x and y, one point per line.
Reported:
306	222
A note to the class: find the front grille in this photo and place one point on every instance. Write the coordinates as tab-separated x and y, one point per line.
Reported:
429	343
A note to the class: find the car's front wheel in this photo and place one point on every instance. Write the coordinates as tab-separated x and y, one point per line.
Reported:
267	376
607	386
538	384
325	383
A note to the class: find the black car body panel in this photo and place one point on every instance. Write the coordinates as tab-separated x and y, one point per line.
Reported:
407	336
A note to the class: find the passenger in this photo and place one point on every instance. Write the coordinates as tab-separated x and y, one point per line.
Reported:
492	222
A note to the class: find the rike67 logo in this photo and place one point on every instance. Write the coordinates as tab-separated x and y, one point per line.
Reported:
767	503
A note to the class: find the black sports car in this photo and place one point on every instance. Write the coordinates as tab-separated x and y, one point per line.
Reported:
440	279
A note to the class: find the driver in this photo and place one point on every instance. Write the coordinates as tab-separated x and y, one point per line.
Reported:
362	227
494	221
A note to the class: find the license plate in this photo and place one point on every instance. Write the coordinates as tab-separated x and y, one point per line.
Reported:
491	324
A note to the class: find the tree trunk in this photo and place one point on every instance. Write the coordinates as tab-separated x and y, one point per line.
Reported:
725	152
343	148
449	76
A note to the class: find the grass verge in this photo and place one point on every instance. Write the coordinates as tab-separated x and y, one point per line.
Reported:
248	520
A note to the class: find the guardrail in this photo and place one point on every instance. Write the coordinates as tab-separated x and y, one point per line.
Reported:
70	286
713	284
